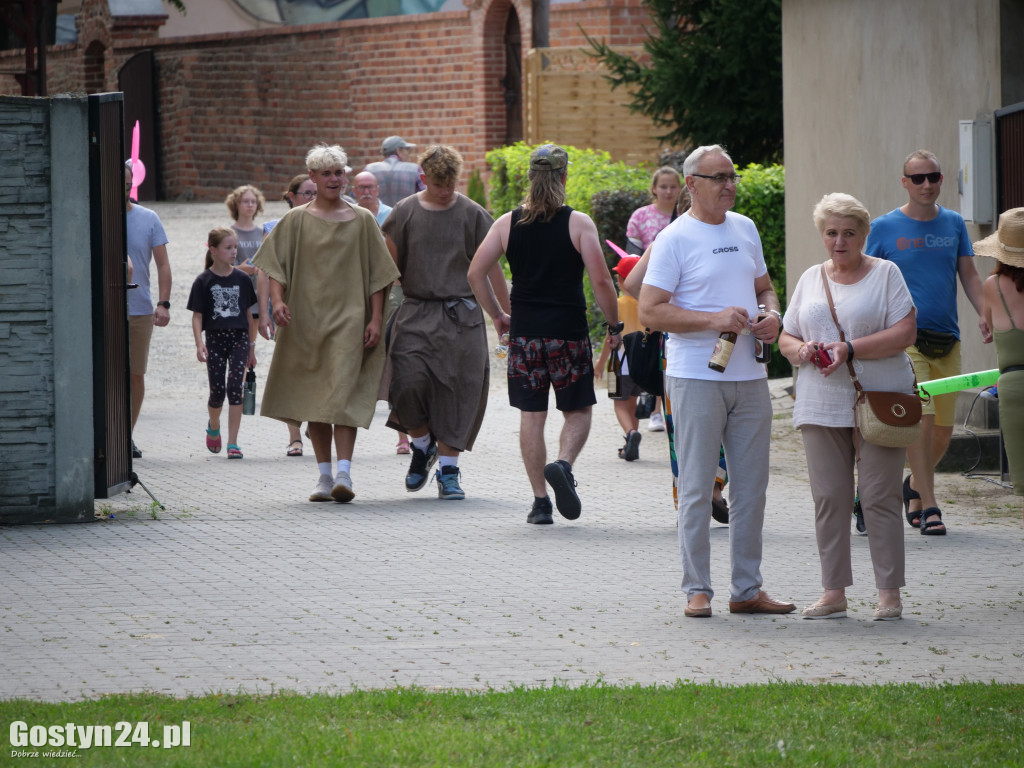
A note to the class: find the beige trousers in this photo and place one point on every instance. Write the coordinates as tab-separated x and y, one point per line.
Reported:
831	462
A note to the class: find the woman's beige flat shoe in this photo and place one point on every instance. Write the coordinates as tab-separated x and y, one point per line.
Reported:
891	613
825	610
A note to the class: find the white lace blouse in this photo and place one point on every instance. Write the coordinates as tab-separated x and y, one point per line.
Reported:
877	301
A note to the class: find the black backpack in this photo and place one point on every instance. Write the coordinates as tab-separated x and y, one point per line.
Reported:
643	355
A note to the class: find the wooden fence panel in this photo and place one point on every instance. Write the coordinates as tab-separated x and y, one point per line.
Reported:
569	101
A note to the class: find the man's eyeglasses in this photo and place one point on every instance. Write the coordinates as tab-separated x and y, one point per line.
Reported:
307	193
719	178
917	179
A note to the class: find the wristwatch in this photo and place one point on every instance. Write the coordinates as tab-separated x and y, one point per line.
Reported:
775	312
616	329
164	304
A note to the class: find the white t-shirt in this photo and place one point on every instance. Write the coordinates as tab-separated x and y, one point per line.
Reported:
877	301
708	267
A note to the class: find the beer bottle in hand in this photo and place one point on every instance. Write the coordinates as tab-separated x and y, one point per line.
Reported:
723	350
762	350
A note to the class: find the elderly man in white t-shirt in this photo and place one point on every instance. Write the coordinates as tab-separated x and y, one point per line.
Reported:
707	276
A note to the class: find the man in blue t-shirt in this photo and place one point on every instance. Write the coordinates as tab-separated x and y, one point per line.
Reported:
931	247
147	241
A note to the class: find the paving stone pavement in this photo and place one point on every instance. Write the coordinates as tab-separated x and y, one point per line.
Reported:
241	584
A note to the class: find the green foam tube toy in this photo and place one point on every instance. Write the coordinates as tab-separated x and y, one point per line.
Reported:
956	383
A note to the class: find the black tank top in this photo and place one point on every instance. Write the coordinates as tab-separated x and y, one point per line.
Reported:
547	279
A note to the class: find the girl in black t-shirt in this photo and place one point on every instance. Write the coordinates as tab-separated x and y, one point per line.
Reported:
220	301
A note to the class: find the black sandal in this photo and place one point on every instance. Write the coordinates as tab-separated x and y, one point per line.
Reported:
909	494
927	528
631	450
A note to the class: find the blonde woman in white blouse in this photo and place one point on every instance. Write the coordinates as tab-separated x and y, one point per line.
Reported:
878	317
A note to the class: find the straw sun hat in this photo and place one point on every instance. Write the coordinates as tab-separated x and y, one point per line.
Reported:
1006	244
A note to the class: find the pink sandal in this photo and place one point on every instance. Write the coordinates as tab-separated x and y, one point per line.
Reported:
403	446
212	439
234	452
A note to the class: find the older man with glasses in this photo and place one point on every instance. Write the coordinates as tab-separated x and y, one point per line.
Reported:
931	247
706	278
367	194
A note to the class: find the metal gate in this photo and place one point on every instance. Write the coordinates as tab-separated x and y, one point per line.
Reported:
1009	157
108	244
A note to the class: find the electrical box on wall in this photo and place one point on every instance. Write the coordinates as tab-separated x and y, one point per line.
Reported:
975	174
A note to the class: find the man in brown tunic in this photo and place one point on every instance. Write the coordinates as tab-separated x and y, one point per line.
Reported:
438	348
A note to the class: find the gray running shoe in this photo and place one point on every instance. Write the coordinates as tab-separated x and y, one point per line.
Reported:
342	490
323	489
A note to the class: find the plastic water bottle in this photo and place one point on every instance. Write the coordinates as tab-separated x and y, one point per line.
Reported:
249	393
501	348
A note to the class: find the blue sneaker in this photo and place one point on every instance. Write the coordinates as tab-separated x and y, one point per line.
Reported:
448	487
419	467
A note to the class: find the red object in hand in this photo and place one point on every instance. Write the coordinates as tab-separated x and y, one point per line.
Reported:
821	358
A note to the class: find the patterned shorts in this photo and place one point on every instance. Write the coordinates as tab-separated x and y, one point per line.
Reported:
537	364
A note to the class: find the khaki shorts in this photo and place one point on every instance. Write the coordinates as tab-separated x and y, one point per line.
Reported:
930	368
140	331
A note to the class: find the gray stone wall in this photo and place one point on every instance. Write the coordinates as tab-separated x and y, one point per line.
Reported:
27	470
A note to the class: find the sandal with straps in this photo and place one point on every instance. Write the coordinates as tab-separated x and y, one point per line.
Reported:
909	494
294	448
929	528
234	452
212	439
631	450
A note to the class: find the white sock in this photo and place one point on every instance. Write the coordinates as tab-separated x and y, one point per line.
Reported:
448	461
420	442
344	465
324	467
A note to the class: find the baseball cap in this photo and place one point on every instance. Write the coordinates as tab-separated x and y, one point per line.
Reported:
625	265
392	144
548	157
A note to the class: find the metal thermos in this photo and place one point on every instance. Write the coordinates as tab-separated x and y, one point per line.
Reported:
249	393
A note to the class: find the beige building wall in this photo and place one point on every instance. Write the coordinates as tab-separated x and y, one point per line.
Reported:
864	84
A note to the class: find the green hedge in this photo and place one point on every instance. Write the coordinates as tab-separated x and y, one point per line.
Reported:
611	210
591	171
761	195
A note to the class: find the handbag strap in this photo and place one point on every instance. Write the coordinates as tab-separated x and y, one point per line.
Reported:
842	336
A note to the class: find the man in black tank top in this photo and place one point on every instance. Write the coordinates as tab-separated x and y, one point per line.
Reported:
548	246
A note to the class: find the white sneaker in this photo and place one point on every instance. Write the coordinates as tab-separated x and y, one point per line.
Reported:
342	490
657	423
323	489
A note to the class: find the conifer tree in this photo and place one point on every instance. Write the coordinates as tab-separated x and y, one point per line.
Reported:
712	75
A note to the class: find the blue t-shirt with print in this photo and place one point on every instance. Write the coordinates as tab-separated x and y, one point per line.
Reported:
926	253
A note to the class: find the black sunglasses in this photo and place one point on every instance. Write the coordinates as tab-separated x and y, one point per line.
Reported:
918	178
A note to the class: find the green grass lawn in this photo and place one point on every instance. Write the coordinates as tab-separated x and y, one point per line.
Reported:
779	724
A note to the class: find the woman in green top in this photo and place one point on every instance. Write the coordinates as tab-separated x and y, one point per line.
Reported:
1004	312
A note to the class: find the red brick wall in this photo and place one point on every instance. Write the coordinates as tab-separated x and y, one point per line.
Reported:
619	22
244	107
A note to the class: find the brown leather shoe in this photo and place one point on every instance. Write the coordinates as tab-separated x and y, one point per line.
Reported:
761	604
701	612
